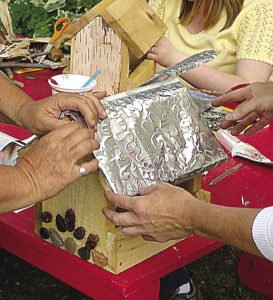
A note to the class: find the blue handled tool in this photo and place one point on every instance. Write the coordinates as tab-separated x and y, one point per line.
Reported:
91	78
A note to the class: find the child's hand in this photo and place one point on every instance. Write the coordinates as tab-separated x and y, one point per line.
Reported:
164	53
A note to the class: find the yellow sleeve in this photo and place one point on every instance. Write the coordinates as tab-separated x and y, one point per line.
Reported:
255	40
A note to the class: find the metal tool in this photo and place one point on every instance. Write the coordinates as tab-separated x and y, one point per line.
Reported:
225	174
65	23
183	66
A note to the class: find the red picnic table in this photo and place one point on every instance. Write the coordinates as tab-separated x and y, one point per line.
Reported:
253	182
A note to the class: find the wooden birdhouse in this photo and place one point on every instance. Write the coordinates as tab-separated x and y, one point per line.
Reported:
114	37
73	219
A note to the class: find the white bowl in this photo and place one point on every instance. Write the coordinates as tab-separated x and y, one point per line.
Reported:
70	83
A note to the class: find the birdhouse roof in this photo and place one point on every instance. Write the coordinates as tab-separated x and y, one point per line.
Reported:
129	20
152	134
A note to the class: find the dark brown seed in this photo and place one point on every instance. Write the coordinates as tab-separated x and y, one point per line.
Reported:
70	245
60	223
79	233
46	217
55	238
99	258
44	233
70	219
92	241
84	253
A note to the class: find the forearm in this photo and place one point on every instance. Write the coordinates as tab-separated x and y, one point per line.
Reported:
232	226
15	191
208	78
11	100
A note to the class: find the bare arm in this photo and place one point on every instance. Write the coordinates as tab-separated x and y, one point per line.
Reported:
11	99
48	168
204	77
165	212
42	116
247	71
232	226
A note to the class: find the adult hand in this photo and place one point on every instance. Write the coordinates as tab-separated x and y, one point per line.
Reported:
256	108
52	164
158	214
40	117
164	53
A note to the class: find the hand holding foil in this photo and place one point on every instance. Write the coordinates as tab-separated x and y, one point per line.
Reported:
160	54
45	113
158	214
256	108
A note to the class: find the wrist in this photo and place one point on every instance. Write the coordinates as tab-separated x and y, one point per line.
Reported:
13	196
25	180
195	211
177	58
23	113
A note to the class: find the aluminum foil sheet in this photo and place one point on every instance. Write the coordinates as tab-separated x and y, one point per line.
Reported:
214	117
183	66
153	134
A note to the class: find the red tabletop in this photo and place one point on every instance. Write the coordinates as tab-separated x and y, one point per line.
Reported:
253	182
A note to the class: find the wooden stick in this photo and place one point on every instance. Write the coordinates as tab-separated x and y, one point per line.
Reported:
15	64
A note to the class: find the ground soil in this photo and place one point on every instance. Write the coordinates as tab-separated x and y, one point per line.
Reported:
215	274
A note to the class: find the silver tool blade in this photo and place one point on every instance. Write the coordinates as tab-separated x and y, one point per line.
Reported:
47	49
183	66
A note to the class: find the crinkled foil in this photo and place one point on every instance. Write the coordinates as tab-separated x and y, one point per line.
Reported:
183	66
214	116
154	134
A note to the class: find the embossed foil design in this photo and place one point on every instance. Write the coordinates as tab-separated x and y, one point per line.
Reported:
154	134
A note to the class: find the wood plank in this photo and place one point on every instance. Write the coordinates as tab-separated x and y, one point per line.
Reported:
37	221
141	73
98	47
124	71
203	195
130	20
124	252
86	198
193	185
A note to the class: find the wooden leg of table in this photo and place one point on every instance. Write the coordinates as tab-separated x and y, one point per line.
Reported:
256	273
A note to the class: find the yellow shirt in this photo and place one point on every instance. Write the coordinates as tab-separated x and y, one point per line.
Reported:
249	37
